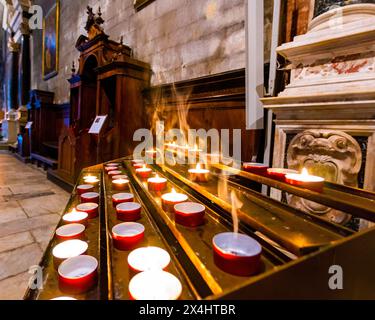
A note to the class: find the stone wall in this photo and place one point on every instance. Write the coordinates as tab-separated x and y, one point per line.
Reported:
181	39
2	69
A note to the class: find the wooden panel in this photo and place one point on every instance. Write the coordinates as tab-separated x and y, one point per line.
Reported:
216	101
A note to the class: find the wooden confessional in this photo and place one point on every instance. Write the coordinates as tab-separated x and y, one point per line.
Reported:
108	82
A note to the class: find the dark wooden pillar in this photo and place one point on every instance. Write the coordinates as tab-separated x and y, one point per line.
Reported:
24	71
12	75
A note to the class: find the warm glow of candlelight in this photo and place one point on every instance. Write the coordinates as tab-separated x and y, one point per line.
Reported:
304	172
69	249
75	215
90	179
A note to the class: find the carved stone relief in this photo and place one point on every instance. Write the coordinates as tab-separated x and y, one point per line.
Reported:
334	155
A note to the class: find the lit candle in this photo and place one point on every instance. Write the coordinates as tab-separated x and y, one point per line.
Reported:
120	184
127	235
91	208
90	197
91	179
138	163
198	174
128	211
143	172
156	183
121	198
63	298
169	200
189	214
108	169
75	217
148	258
305	180
237	254
257	168
279	173
83	188
119	176
155	285
70	231
114	173
112	164
68	249
78	274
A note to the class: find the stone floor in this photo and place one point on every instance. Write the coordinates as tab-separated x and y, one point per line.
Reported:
30	207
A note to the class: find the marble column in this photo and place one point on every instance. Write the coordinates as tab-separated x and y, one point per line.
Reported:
10	124
322	6
24	80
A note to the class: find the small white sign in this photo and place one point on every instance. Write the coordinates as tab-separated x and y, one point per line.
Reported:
97	125
28	125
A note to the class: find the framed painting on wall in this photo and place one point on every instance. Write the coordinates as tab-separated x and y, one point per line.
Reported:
50	61
140	4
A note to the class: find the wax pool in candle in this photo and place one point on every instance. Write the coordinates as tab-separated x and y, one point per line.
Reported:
68	249
148	258
78	274
91	179
70	231
156	183
91	208
76	217
126	235
169	200
143	172
108	169
120	184
120	176
237	253
198	174
114	173
305	180
155	285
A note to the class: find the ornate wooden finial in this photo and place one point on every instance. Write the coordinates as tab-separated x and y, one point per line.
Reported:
93	23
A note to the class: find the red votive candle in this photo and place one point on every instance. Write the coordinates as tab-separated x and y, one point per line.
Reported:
189	214
78	274
121	198
112	164
109	169
75	217
143	172
169	200
83	188
257	168
127	235
119	176
198	174
90	197
156	183
114	173
128	211
70	231
279	173
91	208
148	258
138	163
120	184
68	249
237	254
155	285
305	180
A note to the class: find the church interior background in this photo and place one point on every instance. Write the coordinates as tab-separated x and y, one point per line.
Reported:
292	82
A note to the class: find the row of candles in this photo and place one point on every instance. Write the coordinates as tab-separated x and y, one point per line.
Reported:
77	271
293	177
235	253
151	281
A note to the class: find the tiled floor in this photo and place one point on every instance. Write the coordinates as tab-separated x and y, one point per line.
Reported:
30	207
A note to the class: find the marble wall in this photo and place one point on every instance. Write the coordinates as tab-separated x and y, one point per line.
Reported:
181	39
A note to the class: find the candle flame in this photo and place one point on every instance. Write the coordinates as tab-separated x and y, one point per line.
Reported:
304	172
198	167
173	190
144	166
73	211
